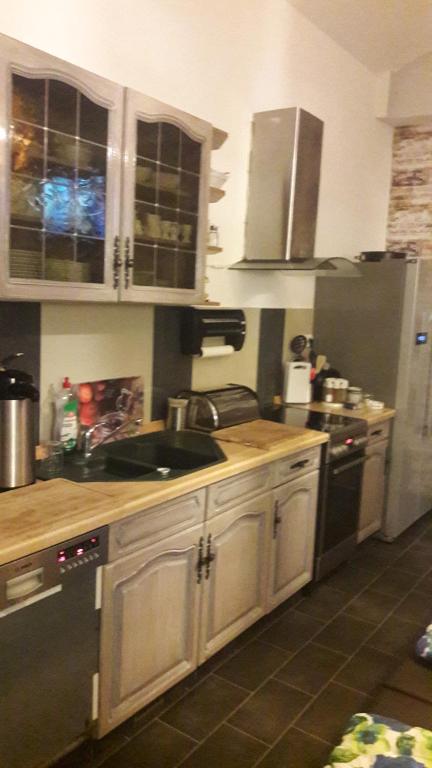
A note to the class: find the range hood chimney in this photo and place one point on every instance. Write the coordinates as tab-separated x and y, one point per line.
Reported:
284	176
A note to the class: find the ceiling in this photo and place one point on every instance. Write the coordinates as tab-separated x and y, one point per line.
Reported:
382	34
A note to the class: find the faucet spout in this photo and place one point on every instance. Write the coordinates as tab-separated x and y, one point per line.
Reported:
87	445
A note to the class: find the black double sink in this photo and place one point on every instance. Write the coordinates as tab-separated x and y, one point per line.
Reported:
162	455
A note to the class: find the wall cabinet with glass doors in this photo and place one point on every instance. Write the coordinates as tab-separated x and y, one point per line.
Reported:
165	199
106	190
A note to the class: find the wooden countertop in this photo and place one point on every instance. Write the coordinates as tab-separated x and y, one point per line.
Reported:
49	513
371	415
43	514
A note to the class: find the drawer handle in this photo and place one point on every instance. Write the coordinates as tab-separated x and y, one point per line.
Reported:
300	464
20	587
376	432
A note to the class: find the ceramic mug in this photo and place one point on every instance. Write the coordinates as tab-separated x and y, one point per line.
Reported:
153	228
174	231
143	174
186	233
166	229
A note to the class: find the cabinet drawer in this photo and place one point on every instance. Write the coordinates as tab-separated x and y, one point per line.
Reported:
380	431
155	524
235	490
296	465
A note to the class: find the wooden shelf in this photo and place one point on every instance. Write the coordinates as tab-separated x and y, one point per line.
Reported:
216	194
214	249
218	138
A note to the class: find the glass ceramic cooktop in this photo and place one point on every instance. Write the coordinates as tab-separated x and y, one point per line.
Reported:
322	422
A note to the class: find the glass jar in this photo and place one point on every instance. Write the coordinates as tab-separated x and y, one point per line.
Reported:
213	236
341	388
328	390
354	395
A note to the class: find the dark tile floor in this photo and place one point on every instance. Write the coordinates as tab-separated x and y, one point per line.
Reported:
279	695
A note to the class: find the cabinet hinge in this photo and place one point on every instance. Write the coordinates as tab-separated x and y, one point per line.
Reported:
129	263
117	262
276	519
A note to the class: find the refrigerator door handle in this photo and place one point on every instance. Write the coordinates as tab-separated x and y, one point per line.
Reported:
427	405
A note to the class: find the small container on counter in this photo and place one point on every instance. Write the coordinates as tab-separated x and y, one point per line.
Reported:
341	388
354	395
177	409
328	390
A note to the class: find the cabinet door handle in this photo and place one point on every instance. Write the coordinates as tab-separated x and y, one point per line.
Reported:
300	464
210	556
129	262
201	559
276	519
117	262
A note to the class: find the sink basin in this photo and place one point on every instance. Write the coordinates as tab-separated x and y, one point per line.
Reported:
174	450
155	456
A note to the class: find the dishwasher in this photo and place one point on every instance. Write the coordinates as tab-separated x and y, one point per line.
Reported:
49	650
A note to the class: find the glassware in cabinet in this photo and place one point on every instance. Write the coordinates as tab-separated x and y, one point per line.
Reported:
61	161
165	202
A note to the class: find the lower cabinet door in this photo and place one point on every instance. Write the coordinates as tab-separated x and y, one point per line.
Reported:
234	581
373	490
150	614
293	541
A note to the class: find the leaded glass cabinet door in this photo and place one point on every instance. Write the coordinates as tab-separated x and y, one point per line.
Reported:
61	164
165	201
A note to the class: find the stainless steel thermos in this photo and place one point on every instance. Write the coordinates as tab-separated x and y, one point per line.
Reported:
17	441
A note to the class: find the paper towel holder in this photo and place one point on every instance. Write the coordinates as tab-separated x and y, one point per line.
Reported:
198	324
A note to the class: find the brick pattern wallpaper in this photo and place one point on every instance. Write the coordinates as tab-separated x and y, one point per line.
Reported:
410	212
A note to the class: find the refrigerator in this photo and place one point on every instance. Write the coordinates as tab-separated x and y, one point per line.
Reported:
377	330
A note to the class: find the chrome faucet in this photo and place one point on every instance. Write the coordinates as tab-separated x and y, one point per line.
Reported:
87	434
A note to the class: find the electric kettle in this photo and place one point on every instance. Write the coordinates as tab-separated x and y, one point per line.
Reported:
17	443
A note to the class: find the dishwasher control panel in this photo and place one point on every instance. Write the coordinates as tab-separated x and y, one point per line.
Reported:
81	552
77	549
22	580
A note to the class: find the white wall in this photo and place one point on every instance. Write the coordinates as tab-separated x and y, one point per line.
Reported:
223	61
91	342
410	93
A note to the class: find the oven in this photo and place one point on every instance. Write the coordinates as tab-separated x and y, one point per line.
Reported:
339	506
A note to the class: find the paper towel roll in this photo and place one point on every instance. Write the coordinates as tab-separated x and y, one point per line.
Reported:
217	351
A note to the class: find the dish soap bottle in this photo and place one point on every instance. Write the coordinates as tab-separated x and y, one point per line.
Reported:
66	417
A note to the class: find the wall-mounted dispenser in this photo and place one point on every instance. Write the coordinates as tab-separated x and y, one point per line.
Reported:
198	325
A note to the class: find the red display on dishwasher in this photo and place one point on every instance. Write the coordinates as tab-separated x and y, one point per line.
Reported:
77	549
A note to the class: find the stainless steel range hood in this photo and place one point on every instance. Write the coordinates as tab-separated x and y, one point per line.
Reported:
284	176
334	267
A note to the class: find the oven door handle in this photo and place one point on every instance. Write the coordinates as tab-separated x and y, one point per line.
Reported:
345	467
